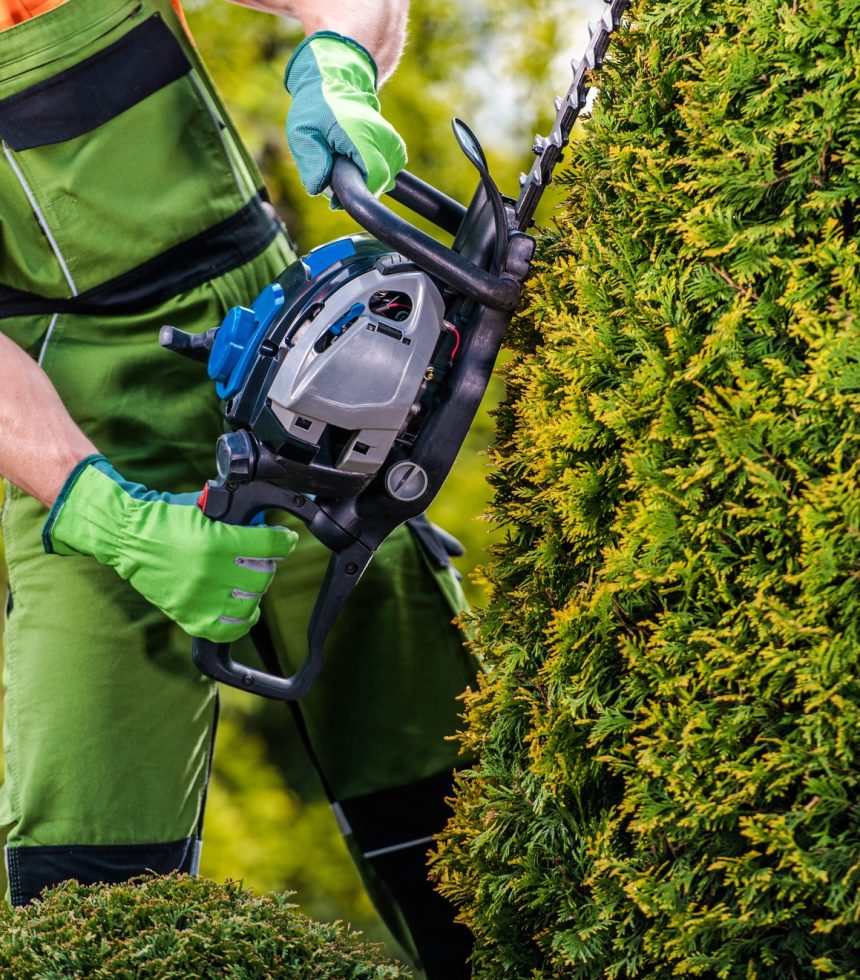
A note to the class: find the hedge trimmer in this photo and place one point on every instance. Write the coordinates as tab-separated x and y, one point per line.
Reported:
351	381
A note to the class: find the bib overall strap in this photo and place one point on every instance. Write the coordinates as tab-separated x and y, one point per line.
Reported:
122	181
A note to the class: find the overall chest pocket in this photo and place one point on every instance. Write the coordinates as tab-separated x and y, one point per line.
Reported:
121	157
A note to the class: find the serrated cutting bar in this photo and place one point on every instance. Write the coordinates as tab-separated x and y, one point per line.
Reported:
548	149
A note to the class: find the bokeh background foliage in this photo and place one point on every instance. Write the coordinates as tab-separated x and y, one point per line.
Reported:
670	728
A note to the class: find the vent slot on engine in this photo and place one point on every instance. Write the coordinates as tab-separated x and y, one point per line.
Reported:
391	304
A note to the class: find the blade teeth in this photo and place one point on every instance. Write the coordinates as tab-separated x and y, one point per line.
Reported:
549	149
535	175
618	13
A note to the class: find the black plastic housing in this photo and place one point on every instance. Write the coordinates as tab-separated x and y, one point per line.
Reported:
484	280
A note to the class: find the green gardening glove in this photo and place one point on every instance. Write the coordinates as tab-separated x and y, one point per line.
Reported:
332	80
207	576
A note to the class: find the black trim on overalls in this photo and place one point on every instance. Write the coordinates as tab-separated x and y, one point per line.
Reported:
225	246
32	869
96	90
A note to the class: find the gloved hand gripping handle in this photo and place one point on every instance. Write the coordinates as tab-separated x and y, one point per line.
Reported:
239	505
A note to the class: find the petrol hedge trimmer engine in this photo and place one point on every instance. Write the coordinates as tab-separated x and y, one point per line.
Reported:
351	381
334	362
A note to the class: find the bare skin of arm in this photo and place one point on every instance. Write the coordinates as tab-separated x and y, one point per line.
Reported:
39	442
378	25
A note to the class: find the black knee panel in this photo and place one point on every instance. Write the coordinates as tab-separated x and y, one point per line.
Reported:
392	832
32	869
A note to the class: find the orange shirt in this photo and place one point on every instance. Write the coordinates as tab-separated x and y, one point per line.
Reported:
13	12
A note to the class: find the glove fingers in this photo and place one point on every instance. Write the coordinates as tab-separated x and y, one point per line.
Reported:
227	629
264	541
372	145
257	564
240	576
242	594
376	148
239	606
239	610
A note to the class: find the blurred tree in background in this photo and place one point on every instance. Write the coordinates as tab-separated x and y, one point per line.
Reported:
497	64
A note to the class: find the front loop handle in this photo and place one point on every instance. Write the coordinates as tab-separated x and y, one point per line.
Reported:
496	292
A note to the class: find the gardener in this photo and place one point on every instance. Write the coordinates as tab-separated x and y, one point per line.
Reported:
128	201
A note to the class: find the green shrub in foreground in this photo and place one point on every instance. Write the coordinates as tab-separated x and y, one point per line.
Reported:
178	927
669	732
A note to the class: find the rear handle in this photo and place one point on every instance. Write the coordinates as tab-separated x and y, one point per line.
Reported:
239	505
214	660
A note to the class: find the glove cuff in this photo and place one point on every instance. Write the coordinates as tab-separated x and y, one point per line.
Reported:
334	36
53	515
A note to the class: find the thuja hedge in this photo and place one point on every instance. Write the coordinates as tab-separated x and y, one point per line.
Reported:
175	928
669	732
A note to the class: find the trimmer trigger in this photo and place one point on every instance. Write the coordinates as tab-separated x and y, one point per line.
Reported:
215	501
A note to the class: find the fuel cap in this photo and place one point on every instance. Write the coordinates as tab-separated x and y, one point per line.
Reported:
406	481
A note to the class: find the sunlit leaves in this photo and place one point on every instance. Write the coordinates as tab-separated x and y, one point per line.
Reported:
671	724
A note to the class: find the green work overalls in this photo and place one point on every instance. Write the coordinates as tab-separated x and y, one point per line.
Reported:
128	202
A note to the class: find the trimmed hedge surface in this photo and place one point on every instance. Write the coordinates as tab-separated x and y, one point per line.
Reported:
176	927
669	731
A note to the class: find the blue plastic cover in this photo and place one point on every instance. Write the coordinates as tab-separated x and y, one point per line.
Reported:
238	325
321	258
238	339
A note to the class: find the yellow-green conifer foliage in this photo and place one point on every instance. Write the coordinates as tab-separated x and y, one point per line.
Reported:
175	928
670	727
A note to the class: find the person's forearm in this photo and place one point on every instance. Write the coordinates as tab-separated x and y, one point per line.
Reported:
378	25
39	442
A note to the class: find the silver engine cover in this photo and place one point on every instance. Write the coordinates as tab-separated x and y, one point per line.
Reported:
367	378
